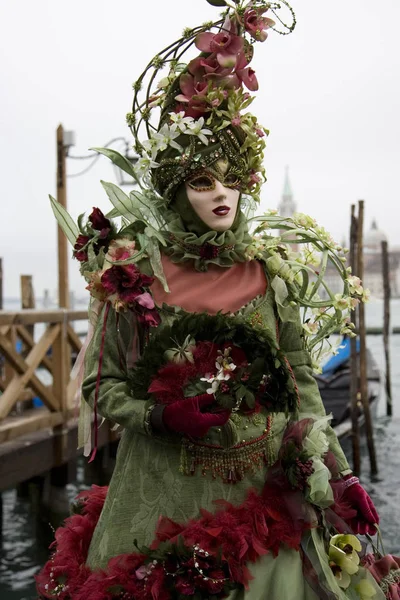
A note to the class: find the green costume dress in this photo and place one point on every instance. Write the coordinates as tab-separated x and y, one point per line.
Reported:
252	510
147	482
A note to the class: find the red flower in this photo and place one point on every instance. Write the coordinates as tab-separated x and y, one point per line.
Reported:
184	586
216	581
79	252
126	281
100	222
256	24
128	286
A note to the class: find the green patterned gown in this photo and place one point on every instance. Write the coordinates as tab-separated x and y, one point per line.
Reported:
147	481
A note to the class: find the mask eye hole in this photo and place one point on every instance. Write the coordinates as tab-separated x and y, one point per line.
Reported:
232	181
202	183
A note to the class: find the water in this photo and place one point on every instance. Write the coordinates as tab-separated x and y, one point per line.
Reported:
25	538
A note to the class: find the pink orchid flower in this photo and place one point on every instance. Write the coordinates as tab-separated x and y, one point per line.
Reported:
191	109
246	74
191	86
193	97
248	77
256	25
202	67
226	45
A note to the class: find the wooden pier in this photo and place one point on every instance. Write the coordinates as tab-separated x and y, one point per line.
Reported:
38	421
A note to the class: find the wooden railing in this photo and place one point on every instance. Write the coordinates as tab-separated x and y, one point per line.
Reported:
19	381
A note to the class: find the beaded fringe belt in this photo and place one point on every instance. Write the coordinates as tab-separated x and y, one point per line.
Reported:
229	464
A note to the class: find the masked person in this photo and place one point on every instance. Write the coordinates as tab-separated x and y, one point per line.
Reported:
229	481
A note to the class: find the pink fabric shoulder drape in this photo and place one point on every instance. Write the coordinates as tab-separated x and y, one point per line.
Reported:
218	289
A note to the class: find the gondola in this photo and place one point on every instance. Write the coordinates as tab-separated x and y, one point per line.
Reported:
334	383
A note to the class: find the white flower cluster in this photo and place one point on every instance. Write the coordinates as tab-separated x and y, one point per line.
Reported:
166	136
224	366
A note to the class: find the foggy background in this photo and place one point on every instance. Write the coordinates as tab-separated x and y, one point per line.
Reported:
329	93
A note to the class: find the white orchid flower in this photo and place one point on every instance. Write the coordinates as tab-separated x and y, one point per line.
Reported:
181	122
214	383
145	163
196	128
166	136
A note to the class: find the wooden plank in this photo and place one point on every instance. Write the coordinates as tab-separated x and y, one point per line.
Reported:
27	394
27	293
34	419
60	369
1	284
74	339
26	337
26	369
32	316
31	455
8	368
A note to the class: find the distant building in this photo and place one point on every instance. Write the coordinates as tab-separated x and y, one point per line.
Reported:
372	252
287	206
373	279
373	263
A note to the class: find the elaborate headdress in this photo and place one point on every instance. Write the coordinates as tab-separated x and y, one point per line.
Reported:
183	123
202	103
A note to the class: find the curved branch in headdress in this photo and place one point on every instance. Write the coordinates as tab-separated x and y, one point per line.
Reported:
202	101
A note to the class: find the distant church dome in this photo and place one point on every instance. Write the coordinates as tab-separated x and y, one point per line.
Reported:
374	238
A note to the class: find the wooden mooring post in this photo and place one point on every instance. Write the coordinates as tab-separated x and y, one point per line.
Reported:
1	284
363	345
386	326
354	400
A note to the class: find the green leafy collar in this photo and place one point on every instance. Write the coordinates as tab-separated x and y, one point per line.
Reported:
213	247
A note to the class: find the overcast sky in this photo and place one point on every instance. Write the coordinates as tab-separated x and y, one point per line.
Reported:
329	93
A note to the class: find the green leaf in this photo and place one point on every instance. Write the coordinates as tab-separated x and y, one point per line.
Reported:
286	312
143	240
226	401
250	399
240	392
65	221
118	160
217	2
153	233
195	388
156	264
121	202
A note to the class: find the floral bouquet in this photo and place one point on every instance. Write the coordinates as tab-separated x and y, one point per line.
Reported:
218	355
108	262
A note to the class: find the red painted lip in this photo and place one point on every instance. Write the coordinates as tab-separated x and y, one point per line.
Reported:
221	211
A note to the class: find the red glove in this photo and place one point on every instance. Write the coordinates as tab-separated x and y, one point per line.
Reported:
357	497
188	416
